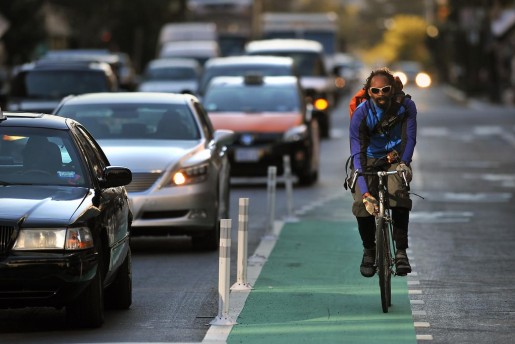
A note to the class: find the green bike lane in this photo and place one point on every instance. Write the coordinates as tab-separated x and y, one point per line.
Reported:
310	290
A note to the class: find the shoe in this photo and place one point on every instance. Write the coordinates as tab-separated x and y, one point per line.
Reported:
402	265
367	267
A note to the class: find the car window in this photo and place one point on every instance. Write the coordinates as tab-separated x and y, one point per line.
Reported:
57	84
170	73
96	159
265	70
135	121
206	124
252	99
39	156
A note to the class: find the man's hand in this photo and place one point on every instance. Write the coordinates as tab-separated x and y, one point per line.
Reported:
371	204
403	167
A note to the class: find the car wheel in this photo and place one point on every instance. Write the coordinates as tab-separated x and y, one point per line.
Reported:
88	309
211	239
119	293
308	178
309	173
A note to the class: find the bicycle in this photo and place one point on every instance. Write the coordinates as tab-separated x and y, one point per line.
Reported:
385	245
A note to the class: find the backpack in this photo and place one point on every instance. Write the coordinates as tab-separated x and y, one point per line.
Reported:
357	99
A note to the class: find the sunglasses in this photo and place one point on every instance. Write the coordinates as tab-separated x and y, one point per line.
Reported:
385	89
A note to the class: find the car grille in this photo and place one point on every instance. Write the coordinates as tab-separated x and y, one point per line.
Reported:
6	233
142	181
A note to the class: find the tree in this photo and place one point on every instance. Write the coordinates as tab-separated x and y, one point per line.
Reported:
403	40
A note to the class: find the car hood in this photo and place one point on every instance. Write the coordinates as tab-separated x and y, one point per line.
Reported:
263	122
147	155
168	86
40	205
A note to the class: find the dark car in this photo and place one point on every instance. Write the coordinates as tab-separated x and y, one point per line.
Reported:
40	86
271	119
64	220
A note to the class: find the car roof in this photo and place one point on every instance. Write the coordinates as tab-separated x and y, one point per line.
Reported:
249	60
129	97
220	81
280	44
37	120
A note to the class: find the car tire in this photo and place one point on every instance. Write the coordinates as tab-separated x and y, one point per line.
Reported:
211	240
308	178
119	294
87	310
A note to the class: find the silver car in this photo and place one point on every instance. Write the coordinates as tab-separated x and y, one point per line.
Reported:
171	75
180	170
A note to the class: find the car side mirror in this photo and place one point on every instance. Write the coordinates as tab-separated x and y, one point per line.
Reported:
224	137
116	176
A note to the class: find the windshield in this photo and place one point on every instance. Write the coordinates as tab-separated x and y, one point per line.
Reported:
57	84
307	63
252	99
39	156
170	73
135	121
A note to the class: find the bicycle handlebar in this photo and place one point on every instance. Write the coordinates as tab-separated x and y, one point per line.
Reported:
380	174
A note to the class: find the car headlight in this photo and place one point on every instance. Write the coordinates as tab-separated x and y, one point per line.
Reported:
296	133
189	175
423	80
402	76
77	238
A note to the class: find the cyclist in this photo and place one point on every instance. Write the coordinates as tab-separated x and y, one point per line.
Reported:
383	132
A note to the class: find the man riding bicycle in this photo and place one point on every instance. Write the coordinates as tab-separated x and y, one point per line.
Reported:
383	132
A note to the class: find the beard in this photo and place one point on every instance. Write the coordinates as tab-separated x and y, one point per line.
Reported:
382	102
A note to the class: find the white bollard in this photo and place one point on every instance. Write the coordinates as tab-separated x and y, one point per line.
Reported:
288	180
224	274
241	270
272	182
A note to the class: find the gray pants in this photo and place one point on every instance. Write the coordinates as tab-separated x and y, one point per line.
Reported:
398	195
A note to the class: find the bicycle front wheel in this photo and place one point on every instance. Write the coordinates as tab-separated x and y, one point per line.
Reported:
383	263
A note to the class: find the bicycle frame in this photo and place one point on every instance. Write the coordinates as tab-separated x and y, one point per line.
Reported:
385	244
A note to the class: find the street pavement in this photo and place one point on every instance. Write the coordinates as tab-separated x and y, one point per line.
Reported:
307	288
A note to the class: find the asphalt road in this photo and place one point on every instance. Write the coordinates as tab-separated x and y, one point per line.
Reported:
461	237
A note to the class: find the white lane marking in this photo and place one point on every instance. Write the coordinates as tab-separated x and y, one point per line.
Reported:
440	216
424	337
422	324
420	313
471	197
414	292
417	302
434	131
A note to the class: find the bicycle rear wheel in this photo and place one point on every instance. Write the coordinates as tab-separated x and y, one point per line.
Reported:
383	264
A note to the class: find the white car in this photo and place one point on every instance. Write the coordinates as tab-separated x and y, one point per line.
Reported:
171	75
180	172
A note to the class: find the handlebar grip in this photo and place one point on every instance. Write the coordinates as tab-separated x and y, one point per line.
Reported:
354	178
405	180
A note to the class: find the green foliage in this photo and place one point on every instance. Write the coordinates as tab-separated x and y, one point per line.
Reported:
404	40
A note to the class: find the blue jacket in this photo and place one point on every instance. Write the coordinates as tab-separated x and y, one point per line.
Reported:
365	144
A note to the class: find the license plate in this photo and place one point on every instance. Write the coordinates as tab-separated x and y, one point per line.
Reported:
247	155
